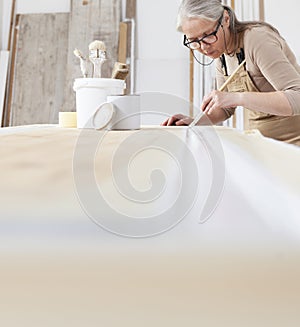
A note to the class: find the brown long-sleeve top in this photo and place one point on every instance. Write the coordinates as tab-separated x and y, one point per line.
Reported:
270	63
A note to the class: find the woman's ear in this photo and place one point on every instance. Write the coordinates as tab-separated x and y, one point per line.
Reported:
226	21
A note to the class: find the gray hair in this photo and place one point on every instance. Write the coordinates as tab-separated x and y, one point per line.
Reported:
212	10
205	9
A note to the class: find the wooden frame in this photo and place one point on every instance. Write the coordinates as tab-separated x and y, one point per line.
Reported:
130	48
12	23
261	10
192	66
9	87
8	82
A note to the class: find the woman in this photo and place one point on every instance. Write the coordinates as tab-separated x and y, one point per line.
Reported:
267	82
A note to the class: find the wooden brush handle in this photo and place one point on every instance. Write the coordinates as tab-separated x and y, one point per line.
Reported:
230	78
222	88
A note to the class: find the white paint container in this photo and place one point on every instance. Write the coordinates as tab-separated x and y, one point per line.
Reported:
91	93
118	113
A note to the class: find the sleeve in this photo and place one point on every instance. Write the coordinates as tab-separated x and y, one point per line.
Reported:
268	51
220	81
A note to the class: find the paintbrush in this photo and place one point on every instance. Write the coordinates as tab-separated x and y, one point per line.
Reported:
83	62
222	88
97	56
120	71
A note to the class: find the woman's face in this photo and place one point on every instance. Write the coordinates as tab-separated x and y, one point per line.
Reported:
197	28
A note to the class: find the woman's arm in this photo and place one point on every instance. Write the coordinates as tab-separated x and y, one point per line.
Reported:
273	67
274	103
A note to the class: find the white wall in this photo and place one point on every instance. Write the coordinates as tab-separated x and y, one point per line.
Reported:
1	25
26	7
162	61
285	17
4	18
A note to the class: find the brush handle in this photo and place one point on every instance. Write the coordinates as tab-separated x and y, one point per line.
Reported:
230	78
222	88
97	63
84	67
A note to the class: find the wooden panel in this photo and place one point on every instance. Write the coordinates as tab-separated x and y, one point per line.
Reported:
39	72
130	8
261	10
191	110
11	25
131	15
122	51
91	20
9	86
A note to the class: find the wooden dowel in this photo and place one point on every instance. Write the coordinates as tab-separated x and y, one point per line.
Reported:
9	89
122	47
191	109
12	22
230	78
222	88
261	10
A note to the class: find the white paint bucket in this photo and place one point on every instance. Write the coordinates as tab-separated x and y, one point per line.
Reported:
91	93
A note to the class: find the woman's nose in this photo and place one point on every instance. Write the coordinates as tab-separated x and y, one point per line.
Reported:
204	46
203	49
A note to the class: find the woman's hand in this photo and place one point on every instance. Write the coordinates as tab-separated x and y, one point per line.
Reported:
275	103
177	120
216	101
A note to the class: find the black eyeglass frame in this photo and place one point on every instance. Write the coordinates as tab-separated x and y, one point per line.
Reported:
214	33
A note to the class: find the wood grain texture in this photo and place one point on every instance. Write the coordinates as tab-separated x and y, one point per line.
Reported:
130	8
261	10
39	72
11	25
10	80
94	20
122	51
191	86
130	15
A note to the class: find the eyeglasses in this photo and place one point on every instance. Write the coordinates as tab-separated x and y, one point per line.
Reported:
207	39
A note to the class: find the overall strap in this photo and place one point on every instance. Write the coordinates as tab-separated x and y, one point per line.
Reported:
224	66
240	57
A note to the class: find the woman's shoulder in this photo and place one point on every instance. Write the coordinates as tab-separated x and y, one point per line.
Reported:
259	34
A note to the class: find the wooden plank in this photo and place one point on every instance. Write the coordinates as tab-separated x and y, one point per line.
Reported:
9	87
11	26
122	48
91	20
4	58
131	9
261	10
191	112
131	16
39	73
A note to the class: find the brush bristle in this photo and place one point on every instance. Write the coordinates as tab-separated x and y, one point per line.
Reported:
97	45
77	53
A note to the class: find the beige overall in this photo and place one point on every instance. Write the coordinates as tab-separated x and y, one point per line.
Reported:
281	128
